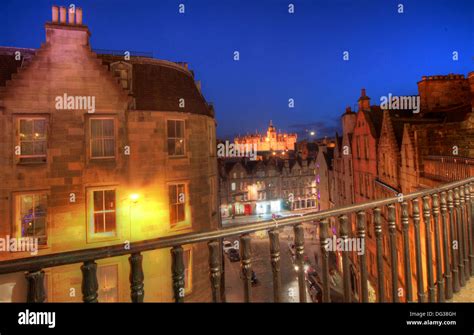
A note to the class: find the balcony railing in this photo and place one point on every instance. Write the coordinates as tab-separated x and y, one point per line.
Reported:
447	168
447	210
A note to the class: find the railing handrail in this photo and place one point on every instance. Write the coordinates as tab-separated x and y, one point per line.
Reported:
78	256
448	158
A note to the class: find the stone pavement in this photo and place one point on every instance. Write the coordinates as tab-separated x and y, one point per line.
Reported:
466	294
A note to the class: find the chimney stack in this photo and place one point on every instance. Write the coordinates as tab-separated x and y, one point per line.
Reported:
55	14
79	16
66	26
71	15
62	15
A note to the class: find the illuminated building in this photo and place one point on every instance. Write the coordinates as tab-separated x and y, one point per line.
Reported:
273	142
267	186
141	166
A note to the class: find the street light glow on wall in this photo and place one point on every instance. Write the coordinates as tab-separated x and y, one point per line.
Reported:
134	197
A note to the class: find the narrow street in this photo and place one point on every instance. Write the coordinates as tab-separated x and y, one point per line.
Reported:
263	291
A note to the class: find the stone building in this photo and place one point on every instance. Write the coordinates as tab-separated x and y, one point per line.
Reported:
271	143
342	165
402	152
266	186
133	165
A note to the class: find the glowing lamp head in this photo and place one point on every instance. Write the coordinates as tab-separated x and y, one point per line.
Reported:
134	197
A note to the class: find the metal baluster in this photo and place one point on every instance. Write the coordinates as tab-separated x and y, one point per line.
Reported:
246	265
36	291
344	231
439	270
446	260
429	250
393	251
464	233
275	260
452	242
299	248
419	265
215	269
469	255
177	270
406	252
460	238
361	227
324	243
379	245
470	187
90	285
136	277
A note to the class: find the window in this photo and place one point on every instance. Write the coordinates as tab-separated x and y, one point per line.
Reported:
213	193
107	278
232	186
176	137
124	71
104	211
188	257
177	195
358	146
102	138
366	146
31	211
32	140
211	140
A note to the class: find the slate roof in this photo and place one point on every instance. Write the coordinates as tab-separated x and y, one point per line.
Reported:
374	118
159	86
8	64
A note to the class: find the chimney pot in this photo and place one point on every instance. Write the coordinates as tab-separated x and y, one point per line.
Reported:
71	14
62	15
362	92
55	14
79	16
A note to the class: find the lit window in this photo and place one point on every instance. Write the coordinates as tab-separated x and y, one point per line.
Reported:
32	140
102	141
104	211
211	139
188	256
177	199
232	186
107	278
176	137
31	216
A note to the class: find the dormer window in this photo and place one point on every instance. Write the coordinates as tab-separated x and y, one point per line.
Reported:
123	71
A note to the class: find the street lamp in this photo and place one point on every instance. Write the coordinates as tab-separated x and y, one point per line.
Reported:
134	198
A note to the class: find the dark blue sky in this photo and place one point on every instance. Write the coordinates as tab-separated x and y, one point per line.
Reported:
283	56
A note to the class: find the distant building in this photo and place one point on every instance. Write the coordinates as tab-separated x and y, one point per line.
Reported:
272	143
267	186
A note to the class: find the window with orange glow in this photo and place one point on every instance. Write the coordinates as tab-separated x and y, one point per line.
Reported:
176	137
32	139
177	200
187	256
104	211
31	211
107	277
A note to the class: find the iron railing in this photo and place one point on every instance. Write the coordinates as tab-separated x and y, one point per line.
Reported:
447	168
447	211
